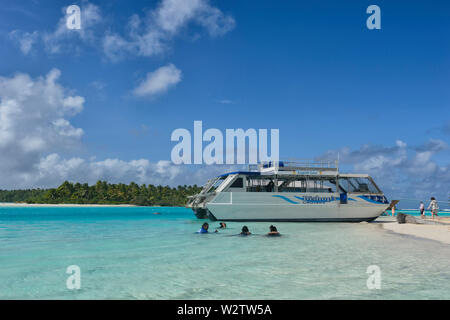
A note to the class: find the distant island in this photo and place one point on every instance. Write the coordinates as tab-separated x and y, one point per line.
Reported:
103	193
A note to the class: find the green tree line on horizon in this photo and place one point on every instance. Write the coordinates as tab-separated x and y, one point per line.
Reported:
104	193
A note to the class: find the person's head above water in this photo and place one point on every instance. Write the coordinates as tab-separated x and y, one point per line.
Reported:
273	231
204	228
245	230
223	225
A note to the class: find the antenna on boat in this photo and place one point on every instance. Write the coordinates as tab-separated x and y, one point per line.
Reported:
337	162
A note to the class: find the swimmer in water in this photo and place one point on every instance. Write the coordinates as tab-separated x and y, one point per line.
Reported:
245	231
273	232
223	225
204	228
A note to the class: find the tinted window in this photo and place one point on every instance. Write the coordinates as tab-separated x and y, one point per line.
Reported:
238	183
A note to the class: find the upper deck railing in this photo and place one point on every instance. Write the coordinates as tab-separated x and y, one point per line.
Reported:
296	164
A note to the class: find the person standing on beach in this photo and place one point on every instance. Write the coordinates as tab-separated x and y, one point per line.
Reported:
434	207
422	209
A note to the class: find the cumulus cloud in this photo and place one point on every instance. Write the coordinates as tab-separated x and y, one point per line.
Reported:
54	169
151	35
158	81
36	132
402	172
34	118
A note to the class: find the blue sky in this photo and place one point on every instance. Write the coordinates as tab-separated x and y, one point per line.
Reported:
309	68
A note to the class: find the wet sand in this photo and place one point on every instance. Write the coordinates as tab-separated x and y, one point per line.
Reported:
436	232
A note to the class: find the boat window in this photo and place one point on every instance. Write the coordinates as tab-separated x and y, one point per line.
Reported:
343	185
214	184
358	185
329	186
291	184
311	184
256	184
308	185
238	183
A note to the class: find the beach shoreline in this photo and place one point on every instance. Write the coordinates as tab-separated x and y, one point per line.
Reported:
436	232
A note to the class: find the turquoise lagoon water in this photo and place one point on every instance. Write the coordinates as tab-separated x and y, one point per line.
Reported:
131	253
441	213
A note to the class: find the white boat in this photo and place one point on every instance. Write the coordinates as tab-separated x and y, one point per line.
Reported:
300	190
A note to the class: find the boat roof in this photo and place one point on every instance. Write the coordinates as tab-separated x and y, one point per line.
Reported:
296	168
239	172
297	174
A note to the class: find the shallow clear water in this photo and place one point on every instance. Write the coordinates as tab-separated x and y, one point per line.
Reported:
131	253
427	212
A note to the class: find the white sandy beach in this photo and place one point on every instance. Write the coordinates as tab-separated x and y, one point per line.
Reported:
436	232
22	205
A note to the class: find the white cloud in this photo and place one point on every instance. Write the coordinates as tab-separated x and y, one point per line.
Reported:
36	132
159	81
61	39
64	128
147	36
214	20
34	119
172	14
152	34
25	40
51	170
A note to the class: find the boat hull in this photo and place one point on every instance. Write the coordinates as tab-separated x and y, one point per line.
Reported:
295	207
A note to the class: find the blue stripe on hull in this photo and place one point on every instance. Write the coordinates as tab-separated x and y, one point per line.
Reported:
213	218
285	199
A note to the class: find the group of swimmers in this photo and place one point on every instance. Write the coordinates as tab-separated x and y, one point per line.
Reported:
273	232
